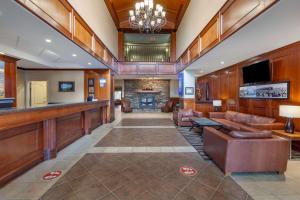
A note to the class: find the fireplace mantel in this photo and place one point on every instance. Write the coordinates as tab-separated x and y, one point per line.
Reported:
148	91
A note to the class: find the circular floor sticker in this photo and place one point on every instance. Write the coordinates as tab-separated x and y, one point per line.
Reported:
52	175
188	171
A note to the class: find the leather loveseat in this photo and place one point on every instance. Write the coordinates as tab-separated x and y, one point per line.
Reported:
181	117
239	151
245	122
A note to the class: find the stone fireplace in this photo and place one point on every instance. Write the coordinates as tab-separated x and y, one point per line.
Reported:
147	94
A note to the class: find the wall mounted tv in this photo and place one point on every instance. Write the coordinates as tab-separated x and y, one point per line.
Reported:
257	73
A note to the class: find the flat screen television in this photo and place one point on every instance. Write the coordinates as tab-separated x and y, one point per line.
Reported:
257	73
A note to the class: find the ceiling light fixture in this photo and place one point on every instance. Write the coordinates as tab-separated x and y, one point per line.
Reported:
222	62
89	63
146	18
74	55
48	40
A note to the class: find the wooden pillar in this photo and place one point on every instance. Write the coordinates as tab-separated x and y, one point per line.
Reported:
173	47
49	131
87	122
121	46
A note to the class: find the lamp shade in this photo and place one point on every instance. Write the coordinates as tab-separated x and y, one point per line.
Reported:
217	103
289	111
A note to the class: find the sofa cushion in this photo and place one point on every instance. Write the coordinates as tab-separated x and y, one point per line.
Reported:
185	119
261	120
230	115
187	113
250	135
228	124
242	118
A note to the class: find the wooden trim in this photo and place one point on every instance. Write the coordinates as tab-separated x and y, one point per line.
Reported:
181	13
112	12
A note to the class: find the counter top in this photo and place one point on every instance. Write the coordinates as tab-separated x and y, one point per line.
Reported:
4	111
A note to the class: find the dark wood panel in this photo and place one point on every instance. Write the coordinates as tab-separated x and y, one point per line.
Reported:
195	49
96	118
20	148
82	33
210	35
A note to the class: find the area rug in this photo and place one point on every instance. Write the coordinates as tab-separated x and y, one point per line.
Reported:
194	137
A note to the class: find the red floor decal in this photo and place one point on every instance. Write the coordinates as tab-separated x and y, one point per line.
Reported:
52	175
188	171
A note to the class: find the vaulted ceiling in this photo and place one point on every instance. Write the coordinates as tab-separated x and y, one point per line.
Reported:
175	10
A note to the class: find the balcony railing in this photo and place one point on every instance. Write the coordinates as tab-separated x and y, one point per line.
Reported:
147	52
147	68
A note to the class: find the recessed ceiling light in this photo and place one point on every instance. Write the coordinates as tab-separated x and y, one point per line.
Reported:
89	63
222	62
48	40
74	55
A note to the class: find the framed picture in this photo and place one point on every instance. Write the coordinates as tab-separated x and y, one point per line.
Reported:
91	90
66	86
266	91
189	91
91	82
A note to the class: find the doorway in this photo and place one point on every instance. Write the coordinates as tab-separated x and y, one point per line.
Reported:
38	93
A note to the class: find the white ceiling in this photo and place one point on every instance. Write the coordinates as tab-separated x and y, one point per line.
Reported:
22	35
277	27
165	77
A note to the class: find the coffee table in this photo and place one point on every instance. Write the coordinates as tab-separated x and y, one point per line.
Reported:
201	122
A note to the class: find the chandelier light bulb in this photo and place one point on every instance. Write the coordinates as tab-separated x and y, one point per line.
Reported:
137	6
142	5
146	2
132	18
158	20
160	8
163	13
145	16
141	23
152	23
156	13
131	13
157	6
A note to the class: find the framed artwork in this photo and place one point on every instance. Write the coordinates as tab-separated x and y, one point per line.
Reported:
66	86
266	91
189	91
91	82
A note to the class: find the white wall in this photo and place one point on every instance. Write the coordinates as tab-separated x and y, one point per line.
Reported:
21	89
52	78
188	81
97	16
174	88
197	16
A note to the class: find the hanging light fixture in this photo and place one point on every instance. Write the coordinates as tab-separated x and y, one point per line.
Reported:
147	19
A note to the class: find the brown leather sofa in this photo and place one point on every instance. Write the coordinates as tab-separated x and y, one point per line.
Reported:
168	107
239	151
181	117
126	106
245	122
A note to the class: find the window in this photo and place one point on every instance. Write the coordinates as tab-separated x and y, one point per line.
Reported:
118	95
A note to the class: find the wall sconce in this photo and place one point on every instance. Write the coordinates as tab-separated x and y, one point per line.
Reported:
217	104
102	82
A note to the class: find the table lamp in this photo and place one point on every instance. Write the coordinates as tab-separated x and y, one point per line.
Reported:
290	112
217	104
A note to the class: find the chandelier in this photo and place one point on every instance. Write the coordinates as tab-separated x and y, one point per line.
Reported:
146	18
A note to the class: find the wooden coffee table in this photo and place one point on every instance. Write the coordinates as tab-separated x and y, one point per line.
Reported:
288	136
201	122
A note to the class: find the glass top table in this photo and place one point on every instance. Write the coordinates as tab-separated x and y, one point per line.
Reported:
201	122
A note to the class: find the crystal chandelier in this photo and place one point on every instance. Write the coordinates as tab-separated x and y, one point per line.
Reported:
146	18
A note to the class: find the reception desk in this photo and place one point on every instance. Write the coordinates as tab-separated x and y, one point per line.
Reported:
30	135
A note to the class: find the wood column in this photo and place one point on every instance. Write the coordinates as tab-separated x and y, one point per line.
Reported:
87	122
173	47
121	46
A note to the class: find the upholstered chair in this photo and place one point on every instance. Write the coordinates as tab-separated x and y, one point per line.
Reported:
126	106
182	117
168	107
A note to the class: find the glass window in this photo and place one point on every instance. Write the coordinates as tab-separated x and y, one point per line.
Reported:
2	93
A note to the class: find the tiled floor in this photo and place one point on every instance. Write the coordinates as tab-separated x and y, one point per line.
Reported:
148	122
143	172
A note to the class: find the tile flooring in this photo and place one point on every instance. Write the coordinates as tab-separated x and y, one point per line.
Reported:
83	179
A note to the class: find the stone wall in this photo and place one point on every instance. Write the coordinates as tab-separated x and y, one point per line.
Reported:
131	86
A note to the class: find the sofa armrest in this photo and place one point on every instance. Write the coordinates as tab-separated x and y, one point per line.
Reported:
217	115
197	114
271	126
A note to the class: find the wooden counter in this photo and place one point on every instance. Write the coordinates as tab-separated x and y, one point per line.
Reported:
30	135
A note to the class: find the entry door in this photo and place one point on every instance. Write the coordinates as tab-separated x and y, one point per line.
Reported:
38	93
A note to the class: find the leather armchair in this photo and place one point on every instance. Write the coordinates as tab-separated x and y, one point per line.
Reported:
239	151
168	107
182	116
126	106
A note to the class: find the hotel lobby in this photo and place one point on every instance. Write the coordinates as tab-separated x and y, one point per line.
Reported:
149	100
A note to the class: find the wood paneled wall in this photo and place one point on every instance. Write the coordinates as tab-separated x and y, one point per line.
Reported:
230	18
224	84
